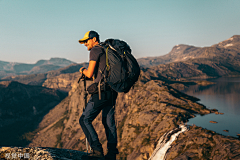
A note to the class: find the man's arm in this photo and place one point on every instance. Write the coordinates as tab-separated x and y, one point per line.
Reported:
89	72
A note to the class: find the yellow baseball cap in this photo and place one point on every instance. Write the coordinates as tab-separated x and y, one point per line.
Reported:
88	35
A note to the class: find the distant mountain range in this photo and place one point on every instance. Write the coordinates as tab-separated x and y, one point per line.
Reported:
184	61
227	49
189	62
41	66
61	77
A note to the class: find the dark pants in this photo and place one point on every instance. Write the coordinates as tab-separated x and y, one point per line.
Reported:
93	108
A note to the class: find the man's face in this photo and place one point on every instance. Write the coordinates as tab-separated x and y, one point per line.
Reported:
89	44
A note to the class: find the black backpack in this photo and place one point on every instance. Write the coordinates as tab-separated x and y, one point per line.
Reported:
122	69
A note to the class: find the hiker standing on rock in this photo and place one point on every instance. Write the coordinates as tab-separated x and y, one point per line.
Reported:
103	100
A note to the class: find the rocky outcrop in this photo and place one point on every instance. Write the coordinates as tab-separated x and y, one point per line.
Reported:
199	143
154	102
31	153
143	115
165	142
213	122
62	82
150	110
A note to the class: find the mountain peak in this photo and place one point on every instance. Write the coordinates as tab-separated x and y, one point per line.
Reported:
180	49
54	60
236	37
58	59
230	42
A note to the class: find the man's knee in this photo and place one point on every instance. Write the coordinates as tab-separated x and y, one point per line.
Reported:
84	120
108	121
81	120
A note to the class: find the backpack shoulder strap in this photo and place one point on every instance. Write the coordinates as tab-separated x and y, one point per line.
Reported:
105	49
107	67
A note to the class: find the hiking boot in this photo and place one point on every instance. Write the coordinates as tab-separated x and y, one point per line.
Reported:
110	156
95	155
112	151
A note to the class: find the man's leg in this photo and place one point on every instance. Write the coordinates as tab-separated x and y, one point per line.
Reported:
108	121
91	111
84	128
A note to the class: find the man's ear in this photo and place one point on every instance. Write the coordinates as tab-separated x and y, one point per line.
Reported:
94	39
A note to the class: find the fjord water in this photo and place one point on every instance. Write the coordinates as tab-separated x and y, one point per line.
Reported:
224	96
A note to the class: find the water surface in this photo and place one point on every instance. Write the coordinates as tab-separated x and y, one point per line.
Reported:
223	96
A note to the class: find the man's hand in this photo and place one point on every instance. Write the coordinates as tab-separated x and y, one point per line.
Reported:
81	70
88	72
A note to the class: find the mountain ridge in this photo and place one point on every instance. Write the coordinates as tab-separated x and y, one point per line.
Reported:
41	66
40	78
225	55
227	49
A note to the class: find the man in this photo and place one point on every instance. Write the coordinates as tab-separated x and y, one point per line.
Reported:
96	104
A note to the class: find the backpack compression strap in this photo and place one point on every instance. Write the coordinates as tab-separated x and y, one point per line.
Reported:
107	65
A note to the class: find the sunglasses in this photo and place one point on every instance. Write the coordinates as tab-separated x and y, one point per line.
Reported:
87	40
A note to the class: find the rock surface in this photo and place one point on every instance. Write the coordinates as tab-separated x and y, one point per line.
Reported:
151	109
213	122
33	153
153	101
199	143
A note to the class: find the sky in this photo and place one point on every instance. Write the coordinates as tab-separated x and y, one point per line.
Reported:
31	30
